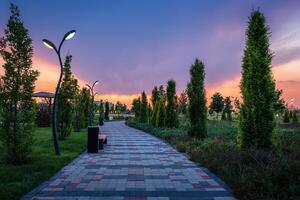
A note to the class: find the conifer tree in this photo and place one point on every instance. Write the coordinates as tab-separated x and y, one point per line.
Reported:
286	116
160	114
65	101
154	114
197	100
17	111
183	102
171	109
295	117
78	122
257	121
155	96
86	101
106	114
136	108
144	108
228	108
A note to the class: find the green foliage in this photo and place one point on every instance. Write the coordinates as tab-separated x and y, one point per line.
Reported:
228	108
162	94
120	107
217	103
154	114
251	174
79	112
197	107
171	109
17	111
16	181
286	116
257	120
295	117
183	99
155	96
86	97
106	114
279	104
136	108
144	108
65	101
160	119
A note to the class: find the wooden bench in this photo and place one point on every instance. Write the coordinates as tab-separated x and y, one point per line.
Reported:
102	140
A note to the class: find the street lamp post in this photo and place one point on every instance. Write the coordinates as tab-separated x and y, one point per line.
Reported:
93	96
50	45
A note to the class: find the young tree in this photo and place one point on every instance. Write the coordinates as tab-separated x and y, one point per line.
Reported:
155	96
17	87
217	103
106	114
295	117
86	99
286	116
228	108
144	108
237	106
171	110
136	108
162	94
183	102
160	114
101	112
65	103
257	121
197	106
78	110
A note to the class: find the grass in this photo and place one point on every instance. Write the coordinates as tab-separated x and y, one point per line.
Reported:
252	174
16	181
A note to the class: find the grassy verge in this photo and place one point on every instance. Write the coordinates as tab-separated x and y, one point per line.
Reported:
252	174
15	181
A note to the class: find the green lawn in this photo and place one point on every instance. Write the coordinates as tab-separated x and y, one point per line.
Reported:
15	181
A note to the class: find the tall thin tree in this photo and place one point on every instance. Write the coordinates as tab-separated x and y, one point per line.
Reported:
257	120
171	109
144	108
17	87
197	100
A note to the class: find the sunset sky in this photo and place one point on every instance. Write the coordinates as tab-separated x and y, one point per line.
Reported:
132	45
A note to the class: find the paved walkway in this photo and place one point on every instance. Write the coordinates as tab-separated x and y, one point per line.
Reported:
132	166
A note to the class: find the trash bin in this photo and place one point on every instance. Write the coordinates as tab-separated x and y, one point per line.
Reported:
92	144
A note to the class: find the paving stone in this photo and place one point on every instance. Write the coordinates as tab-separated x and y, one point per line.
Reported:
133	165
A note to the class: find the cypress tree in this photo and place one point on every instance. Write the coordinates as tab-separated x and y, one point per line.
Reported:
106	114
17	87
144	108
295	117
155	96
171	110
183	102
66	97
86	101
160	114
78	122
197	99
154	114
228	108
286	116
257	121
136	108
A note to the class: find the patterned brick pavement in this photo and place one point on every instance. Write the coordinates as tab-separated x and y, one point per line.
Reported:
133	166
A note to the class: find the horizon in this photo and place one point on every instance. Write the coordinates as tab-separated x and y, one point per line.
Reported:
157	42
